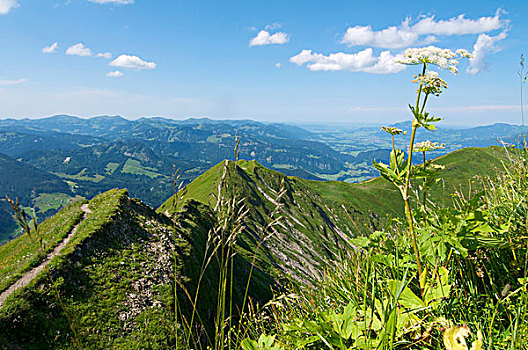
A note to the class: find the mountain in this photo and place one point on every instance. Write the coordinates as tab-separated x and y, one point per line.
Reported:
97	126
115	260
16	140
319	218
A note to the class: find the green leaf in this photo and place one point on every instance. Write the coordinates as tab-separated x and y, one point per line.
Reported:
248	344
407	298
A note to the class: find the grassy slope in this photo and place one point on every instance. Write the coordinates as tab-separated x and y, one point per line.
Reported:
21	254
116	277
319	217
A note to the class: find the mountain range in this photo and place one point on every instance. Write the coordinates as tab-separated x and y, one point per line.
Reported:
49	162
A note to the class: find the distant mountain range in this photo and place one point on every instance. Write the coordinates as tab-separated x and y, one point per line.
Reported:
48	162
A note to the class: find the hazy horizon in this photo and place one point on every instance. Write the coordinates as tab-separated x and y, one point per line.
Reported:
306	124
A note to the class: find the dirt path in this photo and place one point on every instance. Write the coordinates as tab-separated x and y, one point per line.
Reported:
24	280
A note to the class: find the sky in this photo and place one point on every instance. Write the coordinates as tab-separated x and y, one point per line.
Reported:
274	61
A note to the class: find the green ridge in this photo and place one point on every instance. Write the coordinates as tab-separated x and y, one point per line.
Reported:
319	217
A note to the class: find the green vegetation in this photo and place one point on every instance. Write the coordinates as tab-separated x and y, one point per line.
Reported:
444	277
20	255
52	201
116	275
81	175
474	256
111	167
107	263
133	166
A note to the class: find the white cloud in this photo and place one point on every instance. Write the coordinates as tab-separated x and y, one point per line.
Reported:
106	55
459	25
132	62
50	49
117	2
406	35
278	64
7	5
265	38
391	37
115	74
78	50
362	61
12	82
385	64
485	44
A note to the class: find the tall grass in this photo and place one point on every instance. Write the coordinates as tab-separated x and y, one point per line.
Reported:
226	330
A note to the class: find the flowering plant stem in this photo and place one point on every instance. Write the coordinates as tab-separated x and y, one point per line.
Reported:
405	193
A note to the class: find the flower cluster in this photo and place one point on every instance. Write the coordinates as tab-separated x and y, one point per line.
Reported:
393	130
431	83
427	146
443	58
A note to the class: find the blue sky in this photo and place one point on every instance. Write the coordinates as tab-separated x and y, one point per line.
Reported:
245	59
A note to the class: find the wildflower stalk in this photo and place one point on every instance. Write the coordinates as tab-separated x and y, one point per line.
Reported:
424	199
405	192
407	203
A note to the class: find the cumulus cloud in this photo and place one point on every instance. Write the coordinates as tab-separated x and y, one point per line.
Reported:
117	2
132	62
459	25
423	32
50	49
115	74
7	5
362	61
485	44
106	55
79	50
265	38
391	37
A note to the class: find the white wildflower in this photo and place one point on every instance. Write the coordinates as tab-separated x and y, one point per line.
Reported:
464	53
431	83
444	58
427	146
